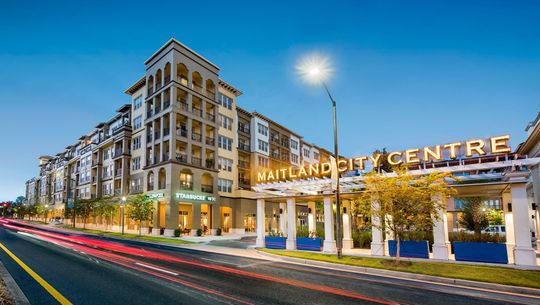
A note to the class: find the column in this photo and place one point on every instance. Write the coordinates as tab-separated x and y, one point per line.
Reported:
441	245
523	251
283	218
377	245
347	228
155	219
509	225
312	217
291	219
216	218
171	218
329	245
196	218
260	224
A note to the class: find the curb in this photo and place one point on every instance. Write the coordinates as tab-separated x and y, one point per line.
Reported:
15	291
411	276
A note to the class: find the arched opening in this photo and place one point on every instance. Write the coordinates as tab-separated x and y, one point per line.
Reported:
150	181
167	74
210	89
162	178
158	79
207	183
196	82
150	84
182	74
186	180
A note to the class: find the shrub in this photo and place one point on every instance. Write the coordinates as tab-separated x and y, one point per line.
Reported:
177	232
275	234
218	232
361	239
471	237
199	232
302	231
319	231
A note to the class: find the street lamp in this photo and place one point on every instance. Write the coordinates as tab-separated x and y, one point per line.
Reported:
316	70
122	212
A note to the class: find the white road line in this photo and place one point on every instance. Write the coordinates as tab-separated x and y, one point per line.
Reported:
218	261
157	269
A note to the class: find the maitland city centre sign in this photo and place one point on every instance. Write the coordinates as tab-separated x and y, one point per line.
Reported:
479	147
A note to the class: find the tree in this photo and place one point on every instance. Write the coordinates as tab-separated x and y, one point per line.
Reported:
20	200
473	215
83	208
495	217
105	207
140	208
405	202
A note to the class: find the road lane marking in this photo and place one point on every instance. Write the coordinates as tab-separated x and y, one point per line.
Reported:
157	269
50	289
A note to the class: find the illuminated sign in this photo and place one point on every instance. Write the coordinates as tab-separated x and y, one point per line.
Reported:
478	147
155	195
196	197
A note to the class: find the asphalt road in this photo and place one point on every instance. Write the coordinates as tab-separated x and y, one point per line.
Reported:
91	270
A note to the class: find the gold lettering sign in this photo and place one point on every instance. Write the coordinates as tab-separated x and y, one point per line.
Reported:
479	147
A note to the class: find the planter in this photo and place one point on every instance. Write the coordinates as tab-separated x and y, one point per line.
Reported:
480	252
274	242
311	244
410	248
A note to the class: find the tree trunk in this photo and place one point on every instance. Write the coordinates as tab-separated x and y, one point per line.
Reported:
477	230
398	247
140	227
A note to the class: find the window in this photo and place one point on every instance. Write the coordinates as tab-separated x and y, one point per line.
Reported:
137	143
137	122
137	102
186	181
306	152
225	185
316	156
263	146
262	129
225	101
225	143
225	164
263	162
294	144
294	158
225	122
136	163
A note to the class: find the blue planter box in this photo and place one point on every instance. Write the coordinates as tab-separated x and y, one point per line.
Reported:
480	252
275	242
306	243
410	248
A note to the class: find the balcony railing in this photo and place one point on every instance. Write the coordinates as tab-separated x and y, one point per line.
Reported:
150	91
243	129
157	109
196	136
149	114
196	161
182	158
183	105
207	188
149	138
166	80
166	104
164	157
157	135
211	117
182	80
197	88
210	141
181	132
209	163
158	85
243	146
118	173
243	181
243	164
211	95
197	111
166	131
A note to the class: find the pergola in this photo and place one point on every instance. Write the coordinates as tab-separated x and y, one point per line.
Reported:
506	175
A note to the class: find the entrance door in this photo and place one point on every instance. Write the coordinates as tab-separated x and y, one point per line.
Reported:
206	221
226	218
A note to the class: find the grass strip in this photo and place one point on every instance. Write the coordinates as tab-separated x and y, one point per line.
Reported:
130	236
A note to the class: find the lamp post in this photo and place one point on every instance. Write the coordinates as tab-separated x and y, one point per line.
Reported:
315	70
122	212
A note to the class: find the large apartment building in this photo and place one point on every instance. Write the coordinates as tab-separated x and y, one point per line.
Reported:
182	141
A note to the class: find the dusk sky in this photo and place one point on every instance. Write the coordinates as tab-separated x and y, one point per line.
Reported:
406	73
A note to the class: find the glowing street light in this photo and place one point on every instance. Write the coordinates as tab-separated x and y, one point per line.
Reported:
316	70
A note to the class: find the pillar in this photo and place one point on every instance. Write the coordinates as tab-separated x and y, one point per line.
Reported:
329	245
509	225
441	245
523	251
291	219
312	217
196	218
347	228
283	218
171	218
216	218
377	244
259	242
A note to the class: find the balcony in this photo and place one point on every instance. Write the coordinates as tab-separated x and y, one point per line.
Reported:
197	111
211	117
95	163
183	105
182	80
196	161
157	135
207	188
166	131
182	132
149	114
149	138
243	146
182	158
157	109
196	136
210	163
149	162
164	157
150	91
158	85
243	164
166	104
118	173
166	80
243	129
197	88
210	141
94	179
274	155
244	181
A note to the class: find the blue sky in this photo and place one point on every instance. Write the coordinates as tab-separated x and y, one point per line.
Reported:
407	73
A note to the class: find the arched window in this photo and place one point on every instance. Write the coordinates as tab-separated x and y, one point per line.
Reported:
162	178
207	183
150	84
182	74
210	89
158	79
167	73
186	180
196	82
150	181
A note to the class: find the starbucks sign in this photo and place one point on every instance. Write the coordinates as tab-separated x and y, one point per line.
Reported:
195	197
